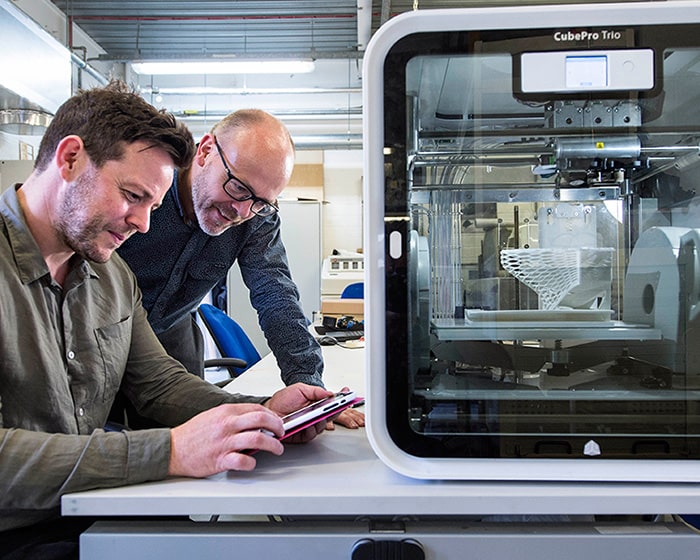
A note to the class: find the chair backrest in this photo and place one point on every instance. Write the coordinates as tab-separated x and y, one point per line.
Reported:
354	291
230	339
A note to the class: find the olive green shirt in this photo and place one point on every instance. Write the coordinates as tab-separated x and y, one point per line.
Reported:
64	352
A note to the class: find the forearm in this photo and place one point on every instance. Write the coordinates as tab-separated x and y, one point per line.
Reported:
301	362
178	400
161	389
275	297
37	468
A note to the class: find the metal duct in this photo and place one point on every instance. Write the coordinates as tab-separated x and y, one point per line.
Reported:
35	67
24	121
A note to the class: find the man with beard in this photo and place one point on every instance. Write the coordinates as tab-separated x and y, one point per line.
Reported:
73	330
220	210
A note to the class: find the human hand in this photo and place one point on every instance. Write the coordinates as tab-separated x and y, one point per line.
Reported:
295	397
214	440
350	418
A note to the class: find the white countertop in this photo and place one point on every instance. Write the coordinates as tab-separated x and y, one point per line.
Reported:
339	474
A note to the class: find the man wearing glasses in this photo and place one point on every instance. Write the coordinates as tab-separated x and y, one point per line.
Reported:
221	210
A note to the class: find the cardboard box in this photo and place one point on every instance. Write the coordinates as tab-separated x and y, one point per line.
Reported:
337	307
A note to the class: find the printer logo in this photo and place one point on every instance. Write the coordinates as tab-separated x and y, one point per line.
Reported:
578	36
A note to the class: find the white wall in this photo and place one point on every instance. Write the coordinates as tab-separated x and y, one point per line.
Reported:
14	171
342	215
340	188
341	229
10	145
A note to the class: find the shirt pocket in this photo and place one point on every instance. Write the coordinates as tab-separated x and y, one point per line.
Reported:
207	270
114	344
202	276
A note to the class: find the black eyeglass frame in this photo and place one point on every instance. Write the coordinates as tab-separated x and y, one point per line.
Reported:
264	207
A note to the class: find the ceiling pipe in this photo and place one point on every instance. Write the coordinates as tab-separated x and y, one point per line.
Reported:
312	54
354	113
348	142
364	23
82	62
84	66
385	13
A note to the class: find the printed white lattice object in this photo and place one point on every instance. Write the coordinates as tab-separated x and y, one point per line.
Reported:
551	273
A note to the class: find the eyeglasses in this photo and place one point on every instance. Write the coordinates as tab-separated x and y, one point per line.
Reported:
241	192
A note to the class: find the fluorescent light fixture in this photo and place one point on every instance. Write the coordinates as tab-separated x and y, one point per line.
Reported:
209	90
181	67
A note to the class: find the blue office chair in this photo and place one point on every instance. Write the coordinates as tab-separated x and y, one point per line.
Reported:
354	291
230	340
692	520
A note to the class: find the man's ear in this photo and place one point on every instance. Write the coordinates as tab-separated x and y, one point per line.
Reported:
70	157
204	148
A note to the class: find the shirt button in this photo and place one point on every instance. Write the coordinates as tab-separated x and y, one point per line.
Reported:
81	411
71	355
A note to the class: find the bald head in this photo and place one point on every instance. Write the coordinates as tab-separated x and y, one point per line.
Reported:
249	150
258	138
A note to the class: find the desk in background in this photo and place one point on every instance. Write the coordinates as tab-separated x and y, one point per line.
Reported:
333	496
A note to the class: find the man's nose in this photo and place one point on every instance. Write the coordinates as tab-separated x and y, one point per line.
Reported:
140	218
244	208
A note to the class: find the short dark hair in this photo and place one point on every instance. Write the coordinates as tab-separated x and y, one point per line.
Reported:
109	118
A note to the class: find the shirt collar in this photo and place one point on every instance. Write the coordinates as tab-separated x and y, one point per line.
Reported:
174	194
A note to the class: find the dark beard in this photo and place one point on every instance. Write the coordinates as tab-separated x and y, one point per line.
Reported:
80	239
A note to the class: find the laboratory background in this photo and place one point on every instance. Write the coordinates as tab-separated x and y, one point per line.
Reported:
512	194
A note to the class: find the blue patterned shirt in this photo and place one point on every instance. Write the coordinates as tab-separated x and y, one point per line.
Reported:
177	265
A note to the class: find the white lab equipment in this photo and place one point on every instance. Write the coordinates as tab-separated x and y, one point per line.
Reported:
532	268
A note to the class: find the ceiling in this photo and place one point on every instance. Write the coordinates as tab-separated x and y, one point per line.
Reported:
133	29
142	29
155	29
322	109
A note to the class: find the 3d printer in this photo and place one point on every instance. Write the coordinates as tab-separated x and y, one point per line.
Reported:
533	223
